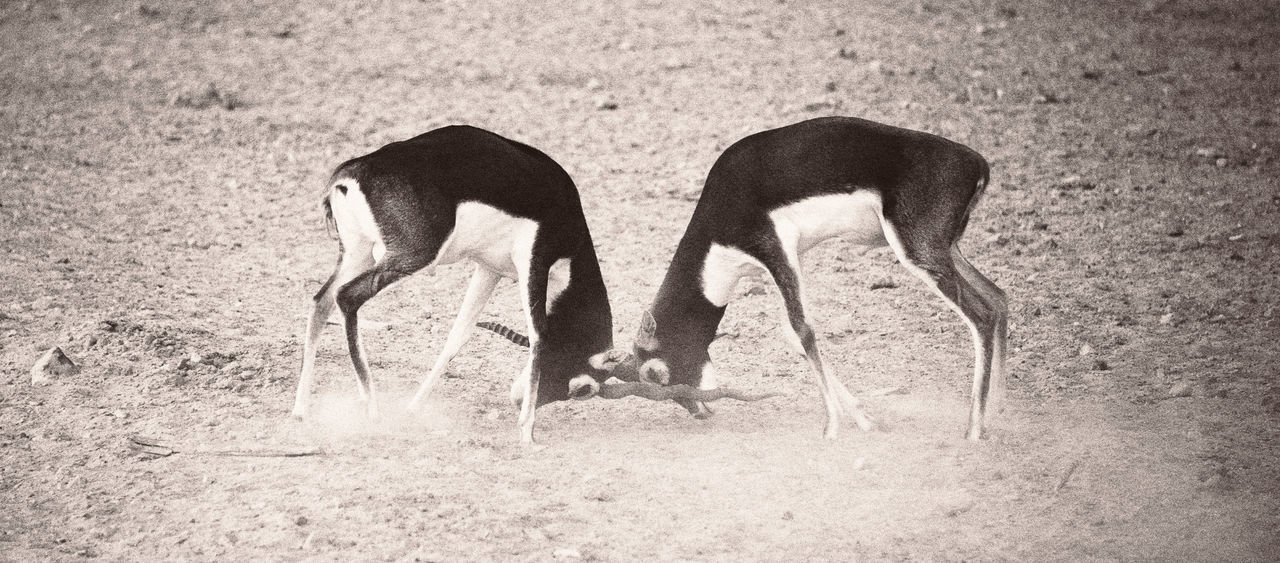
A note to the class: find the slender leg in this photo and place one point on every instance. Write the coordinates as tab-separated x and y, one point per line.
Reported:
938	269
354	294
783	264
532	275
999	303
520	382
350	264
478	292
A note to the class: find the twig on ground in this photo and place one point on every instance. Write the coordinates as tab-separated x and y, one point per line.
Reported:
152	446
662	393
1066	476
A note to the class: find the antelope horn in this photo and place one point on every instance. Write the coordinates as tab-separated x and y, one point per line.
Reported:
502	330
656	392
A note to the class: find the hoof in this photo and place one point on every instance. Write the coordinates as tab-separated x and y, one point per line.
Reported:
704	412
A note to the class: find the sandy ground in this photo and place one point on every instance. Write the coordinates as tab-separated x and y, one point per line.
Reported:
160	170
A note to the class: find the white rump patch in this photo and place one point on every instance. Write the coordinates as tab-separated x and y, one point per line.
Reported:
354	219
854	216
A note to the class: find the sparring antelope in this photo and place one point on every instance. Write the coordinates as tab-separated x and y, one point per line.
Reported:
775	194
464	193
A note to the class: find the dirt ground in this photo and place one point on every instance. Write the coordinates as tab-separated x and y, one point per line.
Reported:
160	171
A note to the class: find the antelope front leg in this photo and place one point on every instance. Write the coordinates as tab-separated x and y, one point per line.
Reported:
478	292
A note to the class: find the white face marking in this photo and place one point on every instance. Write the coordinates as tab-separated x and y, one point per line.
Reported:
721	270
354	218
854	216
597	361
655	370
708	377
580	381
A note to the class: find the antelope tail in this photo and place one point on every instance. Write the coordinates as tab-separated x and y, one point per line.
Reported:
503	331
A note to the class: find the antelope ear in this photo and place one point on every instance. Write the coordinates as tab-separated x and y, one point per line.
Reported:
645	338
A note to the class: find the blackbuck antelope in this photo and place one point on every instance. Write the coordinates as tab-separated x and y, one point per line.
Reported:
775	194
463	193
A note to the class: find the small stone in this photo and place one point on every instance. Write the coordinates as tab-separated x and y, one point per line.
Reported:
883	284
301	521
54	363
1180	389
674	64
567	553
1166	319
1047	98
788	515
1086	349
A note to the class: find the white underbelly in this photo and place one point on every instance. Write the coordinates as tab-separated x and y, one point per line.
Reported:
854	217
486	235
495	240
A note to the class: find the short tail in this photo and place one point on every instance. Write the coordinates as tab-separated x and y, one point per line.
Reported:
984	178
330	225
503	331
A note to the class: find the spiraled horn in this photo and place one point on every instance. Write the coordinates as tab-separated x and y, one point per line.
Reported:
656	392
503	331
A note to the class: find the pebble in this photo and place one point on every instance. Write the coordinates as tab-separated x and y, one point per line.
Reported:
54	363
567	553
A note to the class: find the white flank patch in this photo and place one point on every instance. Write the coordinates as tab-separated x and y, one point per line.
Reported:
721	270
557	281
855	216
354	219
